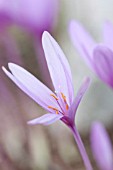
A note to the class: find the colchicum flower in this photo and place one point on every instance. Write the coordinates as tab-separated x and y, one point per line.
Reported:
59	104
101	147
99	57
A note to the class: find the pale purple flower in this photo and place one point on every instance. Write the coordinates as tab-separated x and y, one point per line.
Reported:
99	57
33	15
60	104
101	147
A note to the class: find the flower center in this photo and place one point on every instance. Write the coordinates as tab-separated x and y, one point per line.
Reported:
63	98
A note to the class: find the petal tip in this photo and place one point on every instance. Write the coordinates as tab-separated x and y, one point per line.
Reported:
87	81
30	122
10	65
4	70
45	35
74	25
74	22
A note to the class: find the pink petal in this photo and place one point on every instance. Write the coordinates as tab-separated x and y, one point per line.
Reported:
31	86
108	34
101	147
46	119
73	108
103	63
82	41
58	66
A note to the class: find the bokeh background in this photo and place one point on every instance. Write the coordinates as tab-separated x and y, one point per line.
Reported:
24	147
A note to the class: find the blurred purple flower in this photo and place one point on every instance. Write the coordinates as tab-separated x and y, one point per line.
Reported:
59	104
101	147
99	57
33	15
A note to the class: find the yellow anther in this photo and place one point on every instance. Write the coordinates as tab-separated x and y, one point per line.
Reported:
53	95
55	109
64	98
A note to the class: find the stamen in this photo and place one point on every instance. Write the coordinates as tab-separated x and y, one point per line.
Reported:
64	98
55	109
53	95
56	98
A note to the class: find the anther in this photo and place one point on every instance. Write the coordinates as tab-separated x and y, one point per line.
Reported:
67	107
53	95
64	98
55	109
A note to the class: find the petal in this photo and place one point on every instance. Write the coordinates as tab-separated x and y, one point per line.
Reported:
103	63
58	66
82	41
78	98
31	86
101	147
108	34
46	119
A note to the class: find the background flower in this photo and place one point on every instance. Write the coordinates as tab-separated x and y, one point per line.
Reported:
98	56
35	16
101	146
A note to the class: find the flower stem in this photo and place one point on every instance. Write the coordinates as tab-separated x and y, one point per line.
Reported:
81	148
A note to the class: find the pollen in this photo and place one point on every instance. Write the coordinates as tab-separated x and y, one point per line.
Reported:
53	108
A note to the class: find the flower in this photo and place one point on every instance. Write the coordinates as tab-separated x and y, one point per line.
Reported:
61	103
101	147
33	15
99	57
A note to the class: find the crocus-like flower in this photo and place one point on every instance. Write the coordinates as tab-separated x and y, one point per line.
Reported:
59	104
33	15
101	147
99	57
